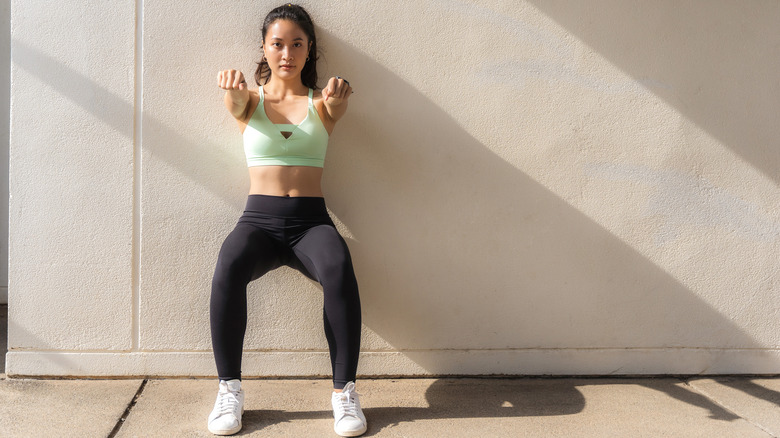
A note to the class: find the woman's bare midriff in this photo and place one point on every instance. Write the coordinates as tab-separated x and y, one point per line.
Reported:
285	181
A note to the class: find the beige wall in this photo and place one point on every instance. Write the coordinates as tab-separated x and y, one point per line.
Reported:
526	187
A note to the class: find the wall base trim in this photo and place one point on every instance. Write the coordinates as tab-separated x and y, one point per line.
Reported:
530	362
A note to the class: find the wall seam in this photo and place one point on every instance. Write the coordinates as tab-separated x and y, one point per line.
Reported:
137	160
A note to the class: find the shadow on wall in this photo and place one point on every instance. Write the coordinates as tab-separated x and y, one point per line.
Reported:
456	249
715	62
184	154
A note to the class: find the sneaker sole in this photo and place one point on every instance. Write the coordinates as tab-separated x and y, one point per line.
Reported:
223	432
226	431
350	434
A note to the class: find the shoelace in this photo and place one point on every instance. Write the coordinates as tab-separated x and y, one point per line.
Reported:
346	405
227	403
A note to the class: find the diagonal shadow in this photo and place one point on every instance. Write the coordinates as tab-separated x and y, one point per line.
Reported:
456	248
752	389
181	153
685	394
715	62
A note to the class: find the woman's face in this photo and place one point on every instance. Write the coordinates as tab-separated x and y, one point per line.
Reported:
286	47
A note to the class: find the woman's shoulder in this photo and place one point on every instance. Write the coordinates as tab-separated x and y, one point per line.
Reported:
317	100
254	98
319	104
251	107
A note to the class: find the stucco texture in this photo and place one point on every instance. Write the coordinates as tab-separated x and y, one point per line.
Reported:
534	187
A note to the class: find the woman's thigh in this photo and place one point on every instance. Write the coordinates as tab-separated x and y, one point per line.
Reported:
323	255
247	253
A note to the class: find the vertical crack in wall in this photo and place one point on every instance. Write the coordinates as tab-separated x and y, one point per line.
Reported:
137	159
5	148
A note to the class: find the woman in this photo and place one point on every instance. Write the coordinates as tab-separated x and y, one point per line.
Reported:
285	127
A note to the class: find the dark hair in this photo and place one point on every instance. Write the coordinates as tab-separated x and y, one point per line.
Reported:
300	17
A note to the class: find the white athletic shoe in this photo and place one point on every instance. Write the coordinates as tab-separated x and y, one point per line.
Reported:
225	419
349	418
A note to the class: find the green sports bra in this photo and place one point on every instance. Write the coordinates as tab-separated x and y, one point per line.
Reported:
265	145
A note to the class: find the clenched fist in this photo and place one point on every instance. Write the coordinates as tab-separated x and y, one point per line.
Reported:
337	91
231	80
237	93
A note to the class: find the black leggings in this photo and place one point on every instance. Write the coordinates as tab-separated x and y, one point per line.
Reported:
296	232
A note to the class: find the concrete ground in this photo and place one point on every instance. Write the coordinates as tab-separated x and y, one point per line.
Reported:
489	407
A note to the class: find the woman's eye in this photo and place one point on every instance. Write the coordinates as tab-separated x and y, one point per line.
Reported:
298	45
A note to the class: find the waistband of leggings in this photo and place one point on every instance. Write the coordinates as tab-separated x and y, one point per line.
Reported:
286	206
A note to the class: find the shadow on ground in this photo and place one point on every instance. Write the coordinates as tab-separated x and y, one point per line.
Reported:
453	399
512	398
752	389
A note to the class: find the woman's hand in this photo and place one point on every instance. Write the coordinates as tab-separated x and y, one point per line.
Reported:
337	91
335	96
231	80
237	96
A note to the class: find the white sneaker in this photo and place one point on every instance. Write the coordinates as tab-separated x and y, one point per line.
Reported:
225	419
349	418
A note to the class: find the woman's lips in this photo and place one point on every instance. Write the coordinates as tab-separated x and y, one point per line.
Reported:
286	67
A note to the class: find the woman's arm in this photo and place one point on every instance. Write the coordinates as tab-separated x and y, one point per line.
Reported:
237	94
334	97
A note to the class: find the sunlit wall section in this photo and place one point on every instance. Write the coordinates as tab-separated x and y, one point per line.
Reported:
71	183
